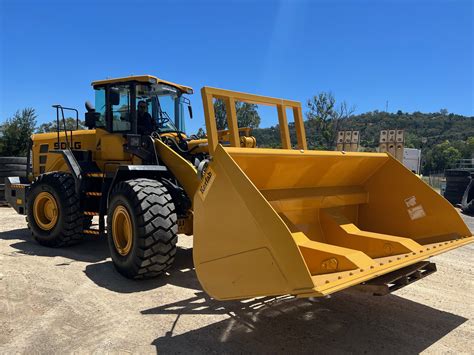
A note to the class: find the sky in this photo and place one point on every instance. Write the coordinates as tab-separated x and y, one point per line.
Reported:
408	55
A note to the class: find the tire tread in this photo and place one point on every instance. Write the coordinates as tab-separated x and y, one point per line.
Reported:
72	227
156	226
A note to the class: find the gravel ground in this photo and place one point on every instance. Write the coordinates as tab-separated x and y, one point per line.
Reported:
72	300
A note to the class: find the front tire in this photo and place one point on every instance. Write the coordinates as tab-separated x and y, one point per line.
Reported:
141	228
54	212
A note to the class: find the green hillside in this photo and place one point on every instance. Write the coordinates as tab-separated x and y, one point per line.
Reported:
434	127
444	138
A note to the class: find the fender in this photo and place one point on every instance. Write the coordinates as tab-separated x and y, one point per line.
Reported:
127	172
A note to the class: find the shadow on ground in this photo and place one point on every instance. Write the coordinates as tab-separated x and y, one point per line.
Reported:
91	249
180	274
349	322
95	250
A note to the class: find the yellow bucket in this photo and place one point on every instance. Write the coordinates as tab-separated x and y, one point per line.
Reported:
310	223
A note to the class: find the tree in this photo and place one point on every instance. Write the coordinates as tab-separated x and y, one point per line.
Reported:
201	133
327	115
470	148
220	114
440	157
321	107
52	126
17	132
342	112
247	114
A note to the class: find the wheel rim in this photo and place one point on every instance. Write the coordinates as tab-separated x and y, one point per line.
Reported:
45	211
122	230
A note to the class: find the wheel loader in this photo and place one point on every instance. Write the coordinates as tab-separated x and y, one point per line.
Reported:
264	221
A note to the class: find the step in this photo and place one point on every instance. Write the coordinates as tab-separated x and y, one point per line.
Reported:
95	175
91	231
90	213
92	193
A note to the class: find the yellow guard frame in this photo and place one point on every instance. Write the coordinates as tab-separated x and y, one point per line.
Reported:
230	97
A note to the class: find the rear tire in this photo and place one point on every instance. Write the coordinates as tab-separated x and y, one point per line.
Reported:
467	203
141	228
2	194
5	174
12	167
63	227
13	160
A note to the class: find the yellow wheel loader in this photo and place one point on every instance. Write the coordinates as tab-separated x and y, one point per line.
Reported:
264	221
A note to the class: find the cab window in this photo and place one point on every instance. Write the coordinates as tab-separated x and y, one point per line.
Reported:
100	107
121	117
162	101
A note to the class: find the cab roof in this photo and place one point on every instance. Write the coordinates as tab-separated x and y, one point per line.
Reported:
142	79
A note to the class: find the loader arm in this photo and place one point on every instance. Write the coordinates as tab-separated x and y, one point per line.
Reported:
182	169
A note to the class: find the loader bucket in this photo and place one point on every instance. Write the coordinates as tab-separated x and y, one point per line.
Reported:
310	223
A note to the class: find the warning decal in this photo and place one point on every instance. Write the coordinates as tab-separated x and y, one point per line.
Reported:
207	179
414	211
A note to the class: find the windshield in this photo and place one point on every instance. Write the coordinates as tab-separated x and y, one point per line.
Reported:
162	103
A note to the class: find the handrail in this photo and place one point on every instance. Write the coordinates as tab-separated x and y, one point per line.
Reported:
230	97
62	108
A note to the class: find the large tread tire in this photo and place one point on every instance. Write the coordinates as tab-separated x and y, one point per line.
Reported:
5	174
13	160
69	227
12	167
154	223
456	184
467	203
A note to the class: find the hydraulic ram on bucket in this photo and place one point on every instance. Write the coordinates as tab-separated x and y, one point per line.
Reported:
309	223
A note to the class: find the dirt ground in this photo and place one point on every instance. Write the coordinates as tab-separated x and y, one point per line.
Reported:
72	300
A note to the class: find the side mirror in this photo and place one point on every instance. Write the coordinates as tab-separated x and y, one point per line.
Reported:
190	109
114	96
89	107
91	118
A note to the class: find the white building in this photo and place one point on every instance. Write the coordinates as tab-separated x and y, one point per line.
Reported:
412	159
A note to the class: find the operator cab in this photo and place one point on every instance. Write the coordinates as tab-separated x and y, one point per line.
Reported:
117	104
